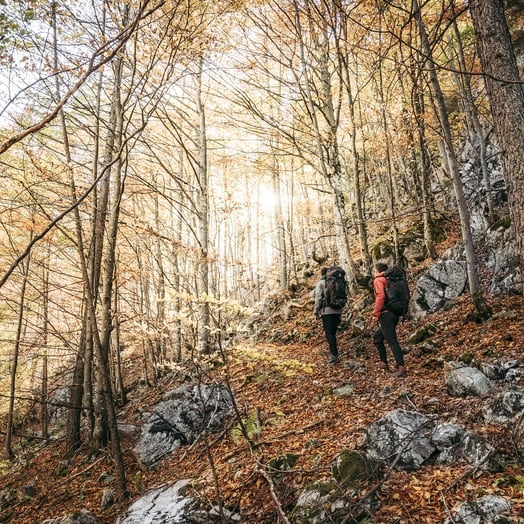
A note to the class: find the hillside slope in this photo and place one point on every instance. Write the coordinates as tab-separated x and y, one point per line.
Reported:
291	391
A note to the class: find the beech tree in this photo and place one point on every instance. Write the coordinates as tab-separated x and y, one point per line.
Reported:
506	95
452	161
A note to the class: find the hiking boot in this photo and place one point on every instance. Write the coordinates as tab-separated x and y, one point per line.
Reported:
383	365
332	361
401	372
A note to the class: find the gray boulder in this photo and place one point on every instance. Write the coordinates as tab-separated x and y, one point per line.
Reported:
81	517
182	418
415	251
351	472
401	436
464	381
485	509
440	284
344	391
59	400
505	407
454	444
513	375
511	364
310	505
165	504
503	260
478	451
446	436
512	371
518	435
492	371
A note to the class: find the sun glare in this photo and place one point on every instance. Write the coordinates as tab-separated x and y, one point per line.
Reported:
267	199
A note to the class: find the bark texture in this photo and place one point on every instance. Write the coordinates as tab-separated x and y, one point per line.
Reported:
506	95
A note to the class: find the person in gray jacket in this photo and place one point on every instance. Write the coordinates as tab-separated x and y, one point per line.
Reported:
330	317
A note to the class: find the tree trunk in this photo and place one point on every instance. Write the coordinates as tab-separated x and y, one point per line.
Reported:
203	222
45	332
479	302
120	390
327	146
103	344
279	226
506	96
177	284
391	185
476	132
163	338
361	222
14	363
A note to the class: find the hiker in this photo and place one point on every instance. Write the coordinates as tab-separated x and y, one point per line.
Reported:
330	315
387	323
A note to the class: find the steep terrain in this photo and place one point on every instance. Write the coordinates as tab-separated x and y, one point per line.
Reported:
287	393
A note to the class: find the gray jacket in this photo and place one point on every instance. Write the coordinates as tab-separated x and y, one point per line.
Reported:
319	299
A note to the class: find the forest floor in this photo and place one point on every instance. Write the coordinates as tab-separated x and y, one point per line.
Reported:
291	389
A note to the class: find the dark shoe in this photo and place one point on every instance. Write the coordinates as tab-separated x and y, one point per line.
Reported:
383	365
401	372
332	361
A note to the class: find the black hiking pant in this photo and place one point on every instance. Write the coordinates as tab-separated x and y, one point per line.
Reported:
330	324
387	331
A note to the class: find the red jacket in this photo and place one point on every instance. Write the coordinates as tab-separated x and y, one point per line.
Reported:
379	286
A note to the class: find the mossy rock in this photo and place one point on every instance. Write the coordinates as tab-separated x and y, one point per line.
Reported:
283	462
311	503
421	334
438	229
323	488
503	222
352	470
468	357
411	235
382	250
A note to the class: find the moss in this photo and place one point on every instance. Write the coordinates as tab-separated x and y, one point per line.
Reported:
283	462
381	250
438	229
352	470
421	334
502	223
467	357
324	488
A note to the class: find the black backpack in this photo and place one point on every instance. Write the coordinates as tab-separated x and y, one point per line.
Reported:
397	291
335	295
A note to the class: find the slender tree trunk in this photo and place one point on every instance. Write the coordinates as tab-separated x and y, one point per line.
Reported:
506	96
476	132
45	333
343	53
14	362
391	182
103	343
177	343
120	389
421	157
161	325
327	149
203	223
361	222
479	302
76	388
277	217
279	225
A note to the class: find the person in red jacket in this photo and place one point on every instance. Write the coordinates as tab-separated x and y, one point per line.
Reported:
387	324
